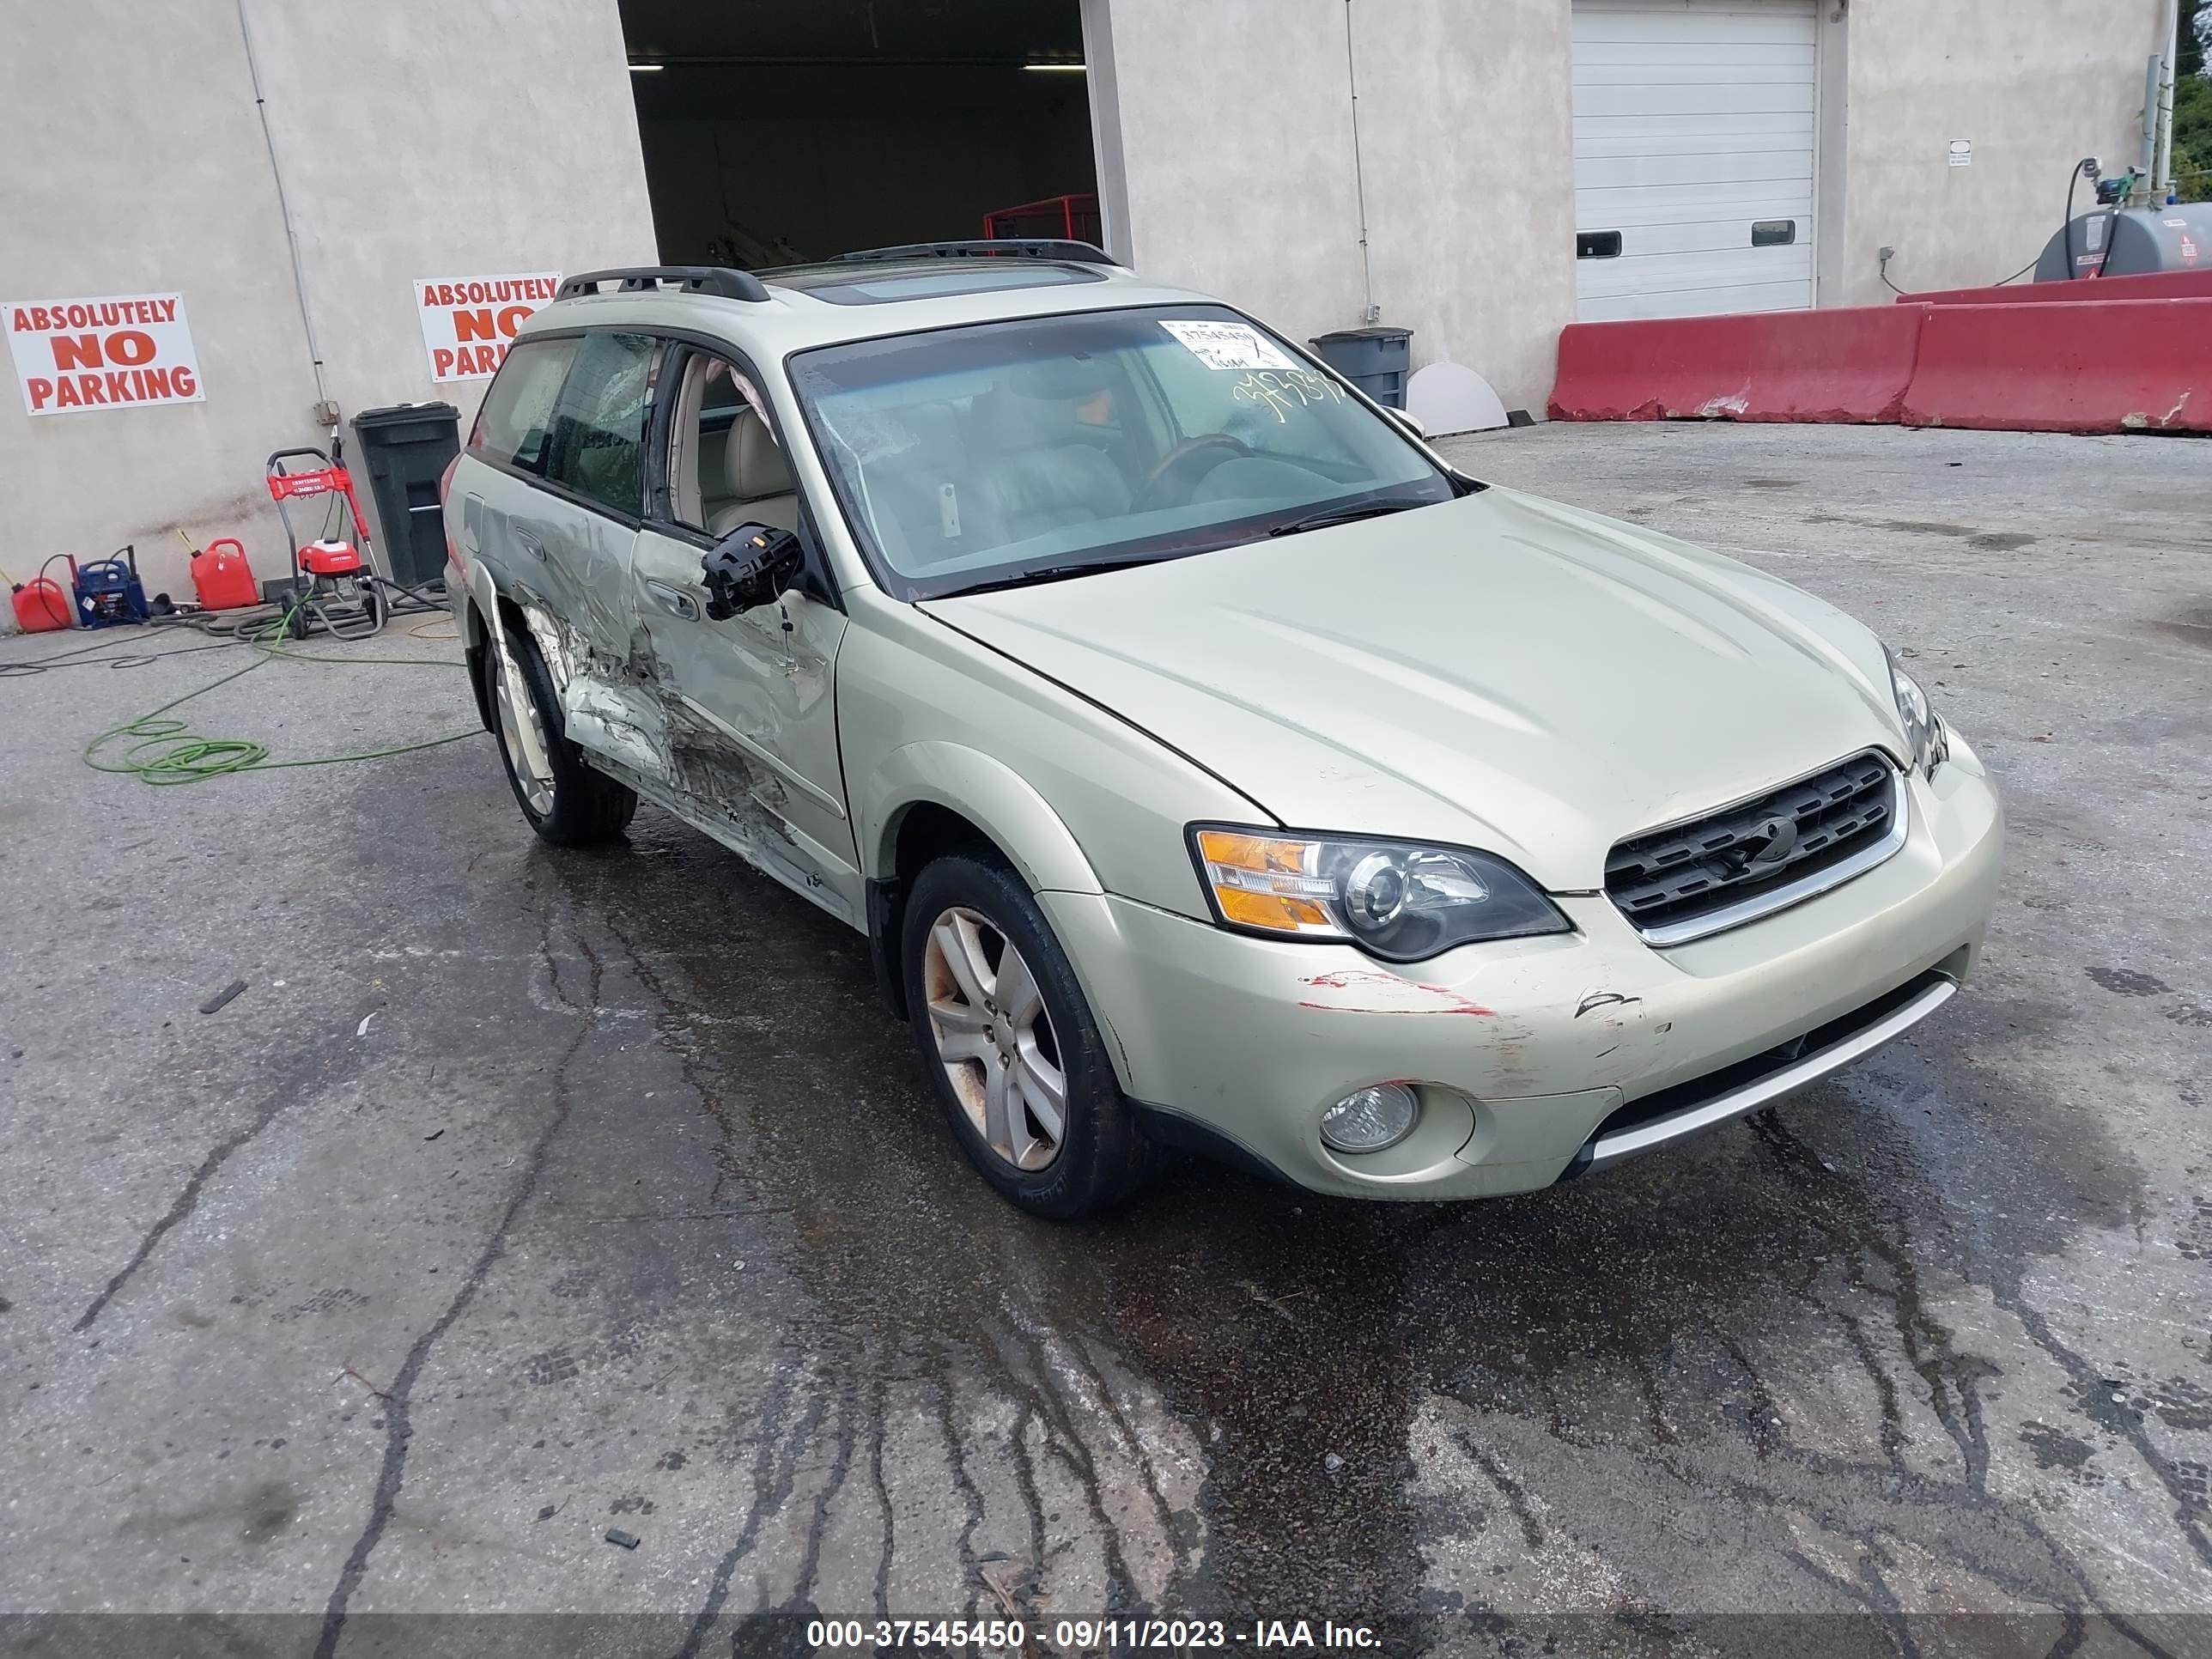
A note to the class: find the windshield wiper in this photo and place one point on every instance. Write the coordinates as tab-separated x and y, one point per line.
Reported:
1053	573
1335	515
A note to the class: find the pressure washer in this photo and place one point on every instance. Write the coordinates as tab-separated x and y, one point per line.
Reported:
333	587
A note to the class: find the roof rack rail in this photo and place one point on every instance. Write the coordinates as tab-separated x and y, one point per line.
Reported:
1014	247
724	280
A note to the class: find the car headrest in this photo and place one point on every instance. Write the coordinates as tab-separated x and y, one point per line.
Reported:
1012	422
754	465
1062	379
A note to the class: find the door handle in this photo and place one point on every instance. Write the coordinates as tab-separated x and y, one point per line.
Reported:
530	543
674	599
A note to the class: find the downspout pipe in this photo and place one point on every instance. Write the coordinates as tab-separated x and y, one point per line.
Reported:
1372	312
284	211
2146	164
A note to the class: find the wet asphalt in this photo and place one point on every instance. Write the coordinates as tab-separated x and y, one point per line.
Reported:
524	1195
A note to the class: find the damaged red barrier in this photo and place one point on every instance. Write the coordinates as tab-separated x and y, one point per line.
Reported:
2130	366
1847	365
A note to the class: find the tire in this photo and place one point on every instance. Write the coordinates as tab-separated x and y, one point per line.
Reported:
1100	1155
574	806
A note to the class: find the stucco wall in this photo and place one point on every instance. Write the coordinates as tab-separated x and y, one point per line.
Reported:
418	139
1466	127
1235	137
1235	123
2035	85
1236	127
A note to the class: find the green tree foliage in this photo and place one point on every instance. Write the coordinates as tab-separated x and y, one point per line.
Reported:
2192	105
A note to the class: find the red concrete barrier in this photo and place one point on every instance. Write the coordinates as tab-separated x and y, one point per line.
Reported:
1846	365
2157	285
2125	366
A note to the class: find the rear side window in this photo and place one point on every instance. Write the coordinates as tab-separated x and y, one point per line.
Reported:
597	447
516	421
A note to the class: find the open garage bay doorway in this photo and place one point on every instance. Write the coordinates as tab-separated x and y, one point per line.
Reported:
781	131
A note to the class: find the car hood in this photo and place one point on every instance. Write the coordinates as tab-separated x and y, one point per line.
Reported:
1499	670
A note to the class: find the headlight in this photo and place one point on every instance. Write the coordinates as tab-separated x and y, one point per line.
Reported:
1923	727
1398	901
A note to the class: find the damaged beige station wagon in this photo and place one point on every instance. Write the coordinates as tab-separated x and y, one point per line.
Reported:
1207	762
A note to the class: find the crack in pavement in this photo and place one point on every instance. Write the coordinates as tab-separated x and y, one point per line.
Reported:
187	1200
400	1403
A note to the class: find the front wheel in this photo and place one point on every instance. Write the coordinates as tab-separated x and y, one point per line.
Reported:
1015	1057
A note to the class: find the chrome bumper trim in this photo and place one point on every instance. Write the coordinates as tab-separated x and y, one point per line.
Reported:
1750	1097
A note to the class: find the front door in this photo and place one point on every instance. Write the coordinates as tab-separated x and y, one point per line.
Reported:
750	701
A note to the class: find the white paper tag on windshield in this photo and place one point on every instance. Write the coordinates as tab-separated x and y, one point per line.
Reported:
1228	345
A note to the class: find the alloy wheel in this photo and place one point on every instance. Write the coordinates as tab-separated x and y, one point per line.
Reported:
987	1019
523	733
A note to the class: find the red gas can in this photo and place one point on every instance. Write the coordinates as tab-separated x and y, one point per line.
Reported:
43	606
221	577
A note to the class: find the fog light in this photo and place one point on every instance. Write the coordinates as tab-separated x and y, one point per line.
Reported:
1370	1120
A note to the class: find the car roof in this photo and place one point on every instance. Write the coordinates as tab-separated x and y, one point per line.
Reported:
830	303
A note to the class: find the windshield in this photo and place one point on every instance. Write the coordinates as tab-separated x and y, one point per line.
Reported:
1017	451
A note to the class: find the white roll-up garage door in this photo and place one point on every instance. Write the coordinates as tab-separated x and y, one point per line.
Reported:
1695	124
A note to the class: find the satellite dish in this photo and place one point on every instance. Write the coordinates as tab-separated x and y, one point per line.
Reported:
1448	398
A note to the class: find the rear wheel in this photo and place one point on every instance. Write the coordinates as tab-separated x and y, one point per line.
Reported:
1016	1060
565	801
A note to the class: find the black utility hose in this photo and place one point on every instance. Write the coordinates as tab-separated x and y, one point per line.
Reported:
2066	229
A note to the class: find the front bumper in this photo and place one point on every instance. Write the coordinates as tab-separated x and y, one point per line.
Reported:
1522	1051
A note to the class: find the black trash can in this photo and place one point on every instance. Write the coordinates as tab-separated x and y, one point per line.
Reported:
404	449
1373	359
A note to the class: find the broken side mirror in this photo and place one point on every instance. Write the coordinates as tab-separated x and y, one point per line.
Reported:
750	567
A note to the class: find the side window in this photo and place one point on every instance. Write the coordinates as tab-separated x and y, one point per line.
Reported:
517	418
597	446
722	454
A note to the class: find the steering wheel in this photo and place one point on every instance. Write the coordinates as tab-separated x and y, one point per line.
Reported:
1177	461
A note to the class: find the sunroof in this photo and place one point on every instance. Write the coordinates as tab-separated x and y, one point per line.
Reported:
864	285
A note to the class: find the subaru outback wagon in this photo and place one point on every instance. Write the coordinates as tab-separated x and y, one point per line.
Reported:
1207	762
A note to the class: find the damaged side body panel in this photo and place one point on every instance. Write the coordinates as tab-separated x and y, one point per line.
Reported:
600	711
662	701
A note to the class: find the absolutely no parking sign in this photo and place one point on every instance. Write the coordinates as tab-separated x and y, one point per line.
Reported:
468	322
114	353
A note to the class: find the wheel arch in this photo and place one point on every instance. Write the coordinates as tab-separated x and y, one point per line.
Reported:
930	798
484	638
980	790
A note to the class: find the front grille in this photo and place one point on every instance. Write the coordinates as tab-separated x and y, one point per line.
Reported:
1744	861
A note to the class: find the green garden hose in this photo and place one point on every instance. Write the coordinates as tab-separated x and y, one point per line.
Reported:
167	752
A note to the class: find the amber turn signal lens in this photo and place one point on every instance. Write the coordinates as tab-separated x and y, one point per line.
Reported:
1260	881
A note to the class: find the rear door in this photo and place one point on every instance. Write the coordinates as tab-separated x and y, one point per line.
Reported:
1695	123
511	433
577	534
